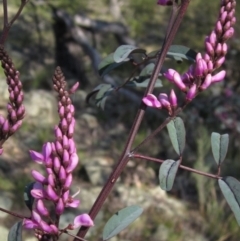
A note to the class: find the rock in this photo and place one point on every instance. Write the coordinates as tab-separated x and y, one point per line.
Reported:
41	107
6	203
98	169
4	233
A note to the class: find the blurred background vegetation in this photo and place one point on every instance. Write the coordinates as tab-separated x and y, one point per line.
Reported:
77	34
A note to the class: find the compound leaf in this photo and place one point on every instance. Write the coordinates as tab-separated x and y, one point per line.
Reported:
177	134
121	220
219	145
230	188
167	174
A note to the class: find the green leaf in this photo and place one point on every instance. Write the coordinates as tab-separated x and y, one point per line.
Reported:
15	233
102	95
179	52
106	61
177	134
122	52
28	198
230	188
108	64
148	69
219	146
121	220
142	82
167	173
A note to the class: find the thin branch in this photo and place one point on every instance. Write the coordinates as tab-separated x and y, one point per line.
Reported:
12	213
7	25
5	13
139	156
123	160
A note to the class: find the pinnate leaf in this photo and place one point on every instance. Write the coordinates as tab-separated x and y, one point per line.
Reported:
230	188
167	174
219	145
121	220
15	233
177	134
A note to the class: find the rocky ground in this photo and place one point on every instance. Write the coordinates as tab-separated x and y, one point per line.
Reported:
164	218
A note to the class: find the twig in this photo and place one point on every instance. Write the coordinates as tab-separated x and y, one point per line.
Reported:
139	156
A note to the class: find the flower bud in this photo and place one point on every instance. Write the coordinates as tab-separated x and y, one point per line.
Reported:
73	163
173	98
151	101
191	92
219	76
207	82
41	208
59	207
178	81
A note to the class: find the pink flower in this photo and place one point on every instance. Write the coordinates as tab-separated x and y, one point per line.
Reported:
82	220
152	101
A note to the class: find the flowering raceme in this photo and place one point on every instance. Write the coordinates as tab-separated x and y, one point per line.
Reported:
202	73
60	159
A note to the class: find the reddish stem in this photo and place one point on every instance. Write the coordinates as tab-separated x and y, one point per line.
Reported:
148	158
122	162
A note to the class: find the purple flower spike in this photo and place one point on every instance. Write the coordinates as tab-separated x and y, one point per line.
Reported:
151	101
207	82
178	81
219	76
191	92
83	220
